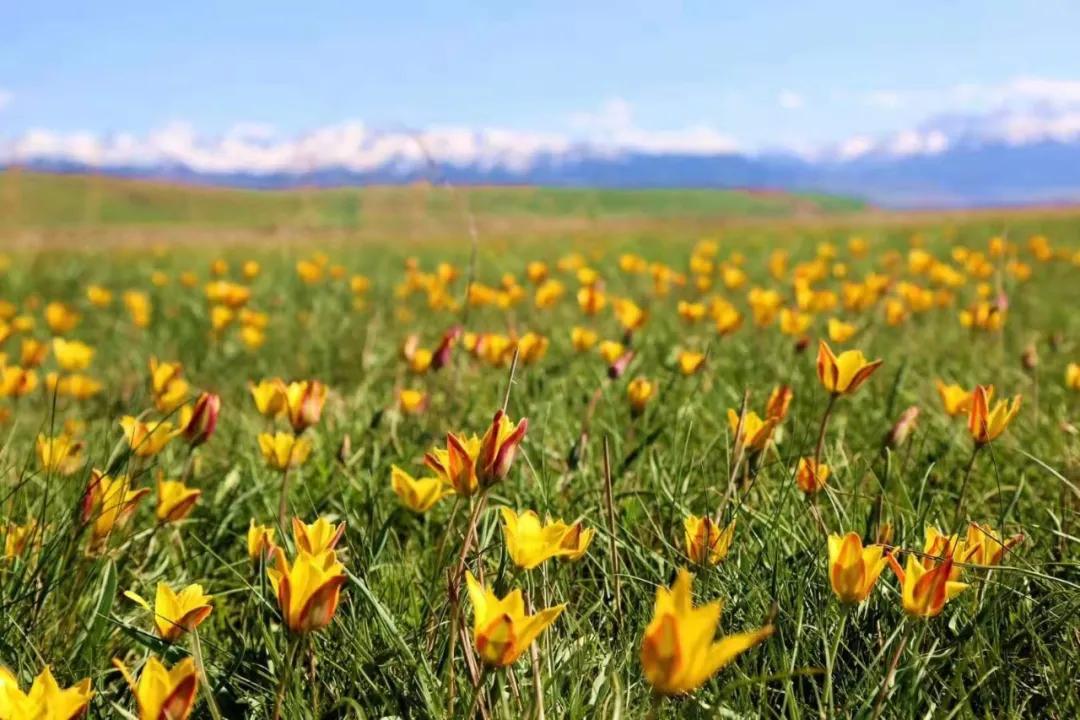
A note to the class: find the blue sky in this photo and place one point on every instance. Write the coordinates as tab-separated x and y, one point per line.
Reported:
763	73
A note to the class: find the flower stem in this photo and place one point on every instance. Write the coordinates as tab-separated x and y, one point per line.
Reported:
283	499
200	666
821	431
830	660
964	485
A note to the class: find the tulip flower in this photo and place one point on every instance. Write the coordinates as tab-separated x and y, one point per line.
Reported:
498	448
270	397
260	540
755	432
417	495
283	451
176	613
109	502
840	331
175	500
318	537
198	423
779	402
532	347
61	454
147	439
1072	376
706	544
162	693
582	339
163	374
640	391
72	355
985	547
956	399
924	591
530	542
45	700
611	351
305	403
32	352
811	475
986	425
690	362
456	464
412	401
576	542
853	569
308	590
678	651
17	537
844	374
98	296
501	629
16	381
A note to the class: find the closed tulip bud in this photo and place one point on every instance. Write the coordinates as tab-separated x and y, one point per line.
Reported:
455	464
903	428
620	364
305	401
260	540
498	448
45	699
678	652
162	693
108	502
441	357
811	476
501	629
639	392
308	590
271	397
199	422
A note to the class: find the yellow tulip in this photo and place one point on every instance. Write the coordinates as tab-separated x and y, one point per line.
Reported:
45	700
498	448
531	347
72	355
61	454
840	331
284	450
318	537
640	391
162	374
412	401
576	541
18	537
176	613
591	299
691	312
175	500
1072	376
985	547
957	400
924	591
706	544
147	439
305	403
16	381
853	569
98	296
811	475
779	402
690	362
678	652
611	351
501	629
844	374
456	464
985	424
32	352
308	590
162	693
629	314
755	433
60	318
260	540
794	323
530	542
582	339
418	495
108	502
270	397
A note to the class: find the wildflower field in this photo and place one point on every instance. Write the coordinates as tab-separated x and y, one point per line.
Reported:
484	476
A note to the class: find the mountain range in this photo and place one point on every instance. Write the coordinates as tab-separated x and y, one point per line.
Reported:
1003	158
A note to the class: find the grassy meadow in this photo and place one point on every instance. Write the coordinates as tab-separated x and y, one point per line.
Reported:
663	326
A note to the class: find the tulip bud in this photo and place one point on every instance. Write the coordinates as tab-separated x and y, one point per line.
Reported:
203	421
498	448
884	534
801	344
1030	357
441	357
617	368
902	429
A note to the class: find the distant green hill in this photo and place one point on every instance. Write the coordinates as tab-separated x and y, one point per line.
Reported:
31	200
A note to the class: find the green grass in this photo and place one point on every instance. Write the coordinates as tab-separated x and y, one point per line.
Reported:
34	200
1005	648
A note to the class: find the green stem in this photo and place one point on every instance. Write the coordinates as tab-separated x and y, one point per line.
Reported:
200	666
830	660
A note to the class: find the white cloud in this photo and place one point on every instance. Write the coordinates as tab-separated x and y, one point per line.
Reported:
885	99
790	100
5	98
855	147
